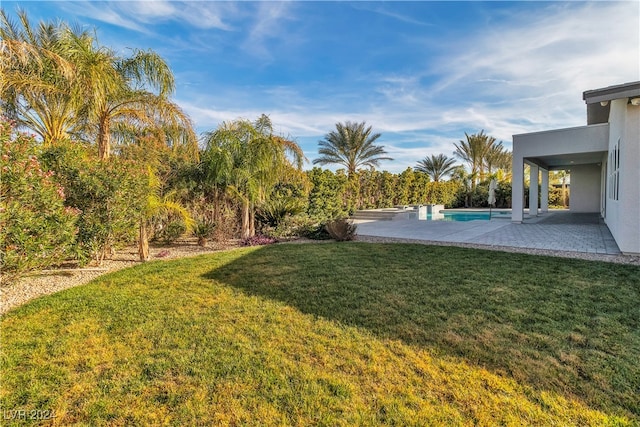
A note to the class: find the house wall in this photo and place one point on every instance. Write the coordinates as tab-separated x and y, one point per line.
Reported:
583	139
585	188
623	215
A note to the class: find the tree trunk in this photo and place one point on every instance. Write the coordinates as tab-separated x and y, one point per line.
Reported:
143	242
104	139
246	219
252	221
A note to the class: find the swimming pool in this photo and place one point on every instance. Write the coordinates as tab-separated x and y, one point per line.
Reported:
464	216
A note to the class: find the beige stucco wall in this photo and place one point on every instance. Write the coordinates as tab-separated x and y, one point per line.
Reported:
585	188
623	215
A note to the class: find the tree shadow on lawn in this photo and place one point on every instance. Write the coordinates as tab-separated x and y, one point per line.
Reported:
562	325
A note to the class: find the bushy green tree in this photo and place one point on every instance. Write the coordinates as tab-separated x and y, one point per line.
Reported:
247	160
36	229
442	193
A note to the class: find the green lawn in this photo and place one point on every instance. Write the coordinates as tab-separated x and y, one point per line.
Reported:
334	334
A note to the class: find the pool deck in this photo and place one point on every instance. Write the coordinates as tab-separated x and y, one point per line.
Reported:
555	230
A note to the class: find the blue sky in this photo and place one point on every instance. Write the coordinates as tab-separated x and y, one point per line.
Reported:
421	73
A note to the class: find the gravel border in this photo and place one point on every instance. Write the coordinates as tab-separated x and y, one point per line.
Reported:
51	281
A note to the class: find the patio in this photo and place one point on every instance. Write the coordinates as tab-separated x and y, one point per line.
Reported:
555	231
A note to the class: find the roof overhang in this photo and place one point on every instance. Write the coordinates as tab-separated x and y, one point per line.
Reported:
626	90
563	148
566	161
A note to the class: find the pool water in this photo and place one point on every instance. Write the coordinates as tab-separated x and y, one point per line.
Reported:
463	216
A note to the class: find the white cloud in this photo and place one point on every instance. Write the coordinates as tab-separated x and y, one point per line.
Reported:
525	73
543	61
269	23
137	15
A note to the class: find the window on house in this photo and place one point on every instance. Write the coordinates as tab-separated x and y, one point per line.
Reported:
614	171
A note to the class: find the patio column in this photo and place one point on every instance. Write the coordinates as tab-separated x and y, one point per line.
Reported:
517	188
544	193
533	190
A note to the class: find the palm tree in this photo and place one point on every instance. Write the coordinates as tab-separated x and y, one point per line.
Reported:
436	167
466	180
49	73
497	158
351	145
474	151
157	204
145	111
59	83
246	160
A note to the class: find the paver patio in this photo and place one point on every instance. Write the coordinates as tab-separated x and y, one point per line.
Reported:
561	231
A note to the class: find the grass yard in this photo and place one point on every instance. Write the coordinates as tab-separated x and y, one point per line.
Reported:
333	334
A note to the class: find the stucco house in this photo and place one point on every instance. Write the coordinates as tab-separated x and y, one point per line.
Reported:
604	159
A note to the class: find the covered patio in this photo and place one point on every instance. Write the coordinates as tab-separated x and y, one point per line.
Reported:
580	150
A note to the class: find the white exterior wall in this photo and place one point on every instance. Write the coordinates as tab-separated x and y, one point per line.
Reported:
583	139
517	186
585	188
623	215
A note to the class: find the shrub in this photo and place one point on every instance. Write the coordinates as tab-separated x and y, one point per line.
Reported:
110	196
442	192
341	229
203	230
273	212
170	231
328	196
316	232
36	229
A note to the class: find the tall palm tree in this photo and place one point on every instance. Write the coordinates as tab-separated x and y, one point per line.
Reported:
247	160
352	146
437	167
497	158
126	106
474	151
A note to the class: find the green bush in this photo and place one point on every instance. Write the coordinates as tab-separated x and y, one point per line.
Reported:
442	192
36	229
203	230
171	231
328	195
110	196
316	232
273	212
